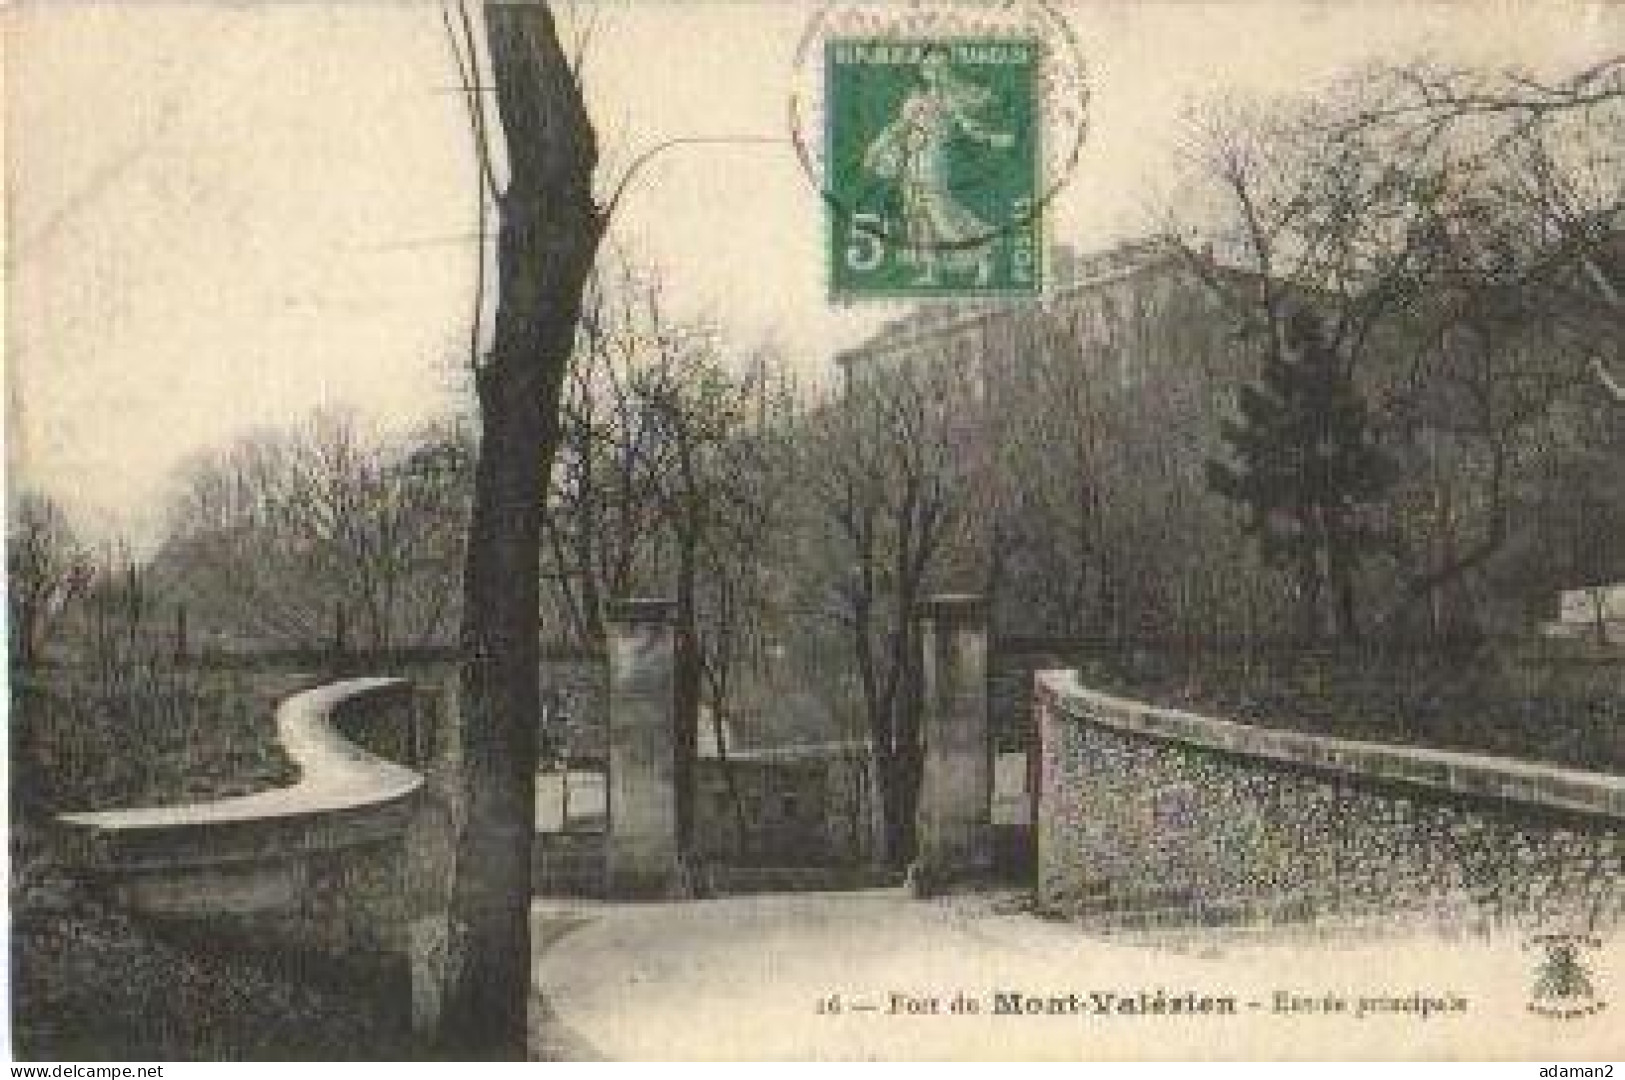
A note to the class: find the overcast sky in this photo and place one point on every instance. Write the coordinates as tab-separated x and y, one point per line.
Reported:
225	215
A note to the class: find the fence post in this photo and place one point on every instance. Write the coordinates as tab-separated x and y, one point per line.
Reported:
181	650
640	842
954	818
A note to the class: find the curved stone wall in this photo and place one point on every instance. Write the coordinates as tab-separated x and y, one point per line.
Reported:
339	783
311	876
1160	814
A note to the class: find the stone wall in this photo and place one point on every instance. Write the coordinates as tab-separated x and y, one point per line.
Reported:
1152	814
802	806
1009	691
575	695
568	864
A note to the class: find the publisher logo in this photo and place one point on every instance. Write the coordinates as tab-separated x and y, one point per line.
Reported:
1565	987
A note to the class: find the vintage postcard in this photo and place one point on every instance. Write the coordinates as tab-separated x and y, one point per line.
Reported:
926	530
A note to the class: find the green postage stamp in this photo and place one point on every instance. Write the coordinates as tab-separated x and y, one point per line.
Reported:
932	168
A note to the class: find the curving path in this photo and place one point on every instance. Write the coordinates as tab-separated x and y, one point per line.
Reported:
741	977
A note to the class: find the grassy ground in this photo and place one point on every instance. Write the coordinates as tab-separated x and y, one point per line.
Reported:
90	983
83	739
1545	706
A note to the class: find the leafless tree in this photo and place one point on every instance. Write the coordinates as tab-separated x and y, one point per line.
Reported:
47	566
1460	247
1103	413
663	482
1558	141
604	504
269	539
1489	372
1524	263
548	227
896	467
722	436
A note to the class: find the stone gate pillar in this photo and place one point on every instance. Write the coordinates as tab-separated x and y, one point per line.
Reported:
640	842
954	818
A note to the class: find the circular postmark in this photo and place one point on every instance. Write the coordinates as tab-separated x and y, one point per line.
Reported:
936	133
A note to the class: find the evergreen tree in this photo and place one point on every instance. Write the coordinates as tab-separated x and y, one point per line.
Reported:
1306	467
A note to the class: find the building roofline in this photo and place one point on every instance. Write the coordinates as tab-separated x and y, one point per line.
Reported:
1115	264
792	752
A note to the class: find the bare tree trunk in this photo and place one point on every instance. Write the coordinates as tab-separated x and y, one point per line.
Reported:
549	228
687	674
719	732
1309	580
895	740
718	681
1341	574
1599	610
909	765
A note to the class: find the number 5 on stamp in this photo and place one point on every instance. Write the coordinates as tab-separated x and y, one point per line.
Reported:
932	168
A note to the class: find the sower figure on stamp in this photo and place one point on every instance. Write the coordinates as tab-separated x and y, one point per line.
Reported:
914	149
